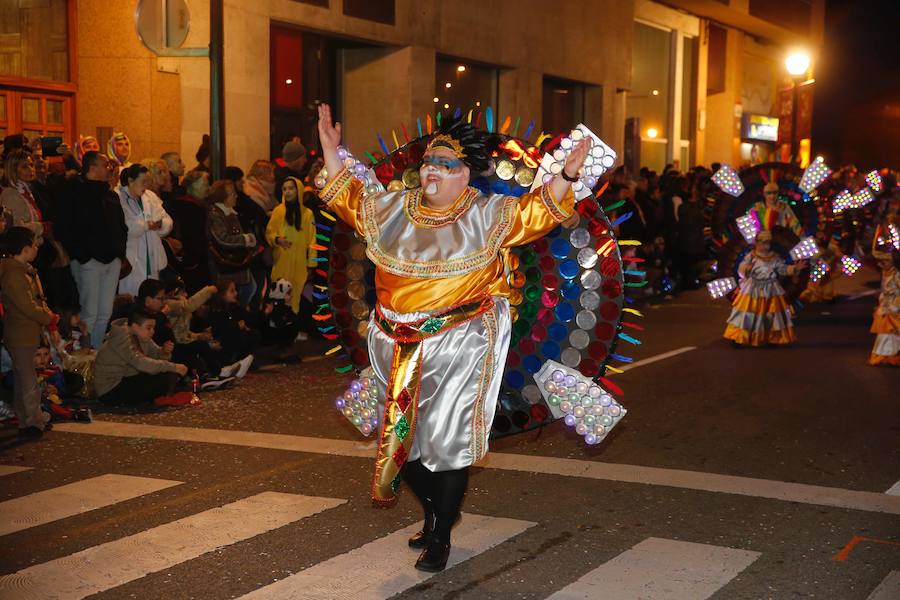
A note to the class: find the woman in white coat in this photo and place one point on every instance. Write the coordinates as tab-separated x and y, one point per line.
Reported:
147	223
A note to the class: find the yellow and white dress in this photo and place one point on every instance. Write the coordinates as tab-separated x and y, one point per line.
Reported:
439	335
760	312
886	321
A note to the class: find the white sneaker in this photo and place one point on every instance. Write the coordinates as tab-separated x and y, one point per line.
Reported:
214	384
301	337
244	366
230	370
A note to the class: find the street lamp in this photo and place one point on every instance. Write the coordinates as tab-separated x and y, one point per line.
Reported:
797	65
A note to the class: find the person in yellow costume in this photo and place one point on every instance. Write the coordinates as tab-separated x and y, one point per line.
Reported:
291	232
886	319
760	313
440	331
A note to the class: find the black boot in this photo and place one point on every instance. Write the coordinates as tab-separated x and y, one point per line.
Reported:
434	558
447	491
418	478
420	540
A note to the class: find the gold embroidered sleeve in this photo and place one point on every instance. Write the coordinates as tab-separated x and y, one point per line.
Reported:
343	196
537	213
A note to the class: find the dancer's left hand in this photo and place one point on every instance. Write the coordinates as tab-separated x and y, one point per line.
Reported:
576	157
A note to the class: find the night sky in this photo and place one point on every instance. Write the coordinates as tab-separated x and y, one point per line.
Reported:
856	116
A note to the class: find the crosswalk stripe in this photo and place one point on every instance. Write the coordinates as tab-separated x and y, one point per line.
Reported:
384	567
74	498
660	569
9	469
108	565
528	463
888	589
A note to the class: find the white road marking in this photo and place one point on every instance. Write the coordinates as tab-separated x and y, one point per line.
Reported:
75	498
384	567
863	294
10	469
709	482
894	490
658	357
108	565
659	569
888	589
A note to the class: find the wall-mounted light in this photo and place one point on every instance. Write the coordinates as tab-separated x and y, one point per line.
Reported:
655	92
448	85
436	99
446	106
652	133
478	103
289	81
461	69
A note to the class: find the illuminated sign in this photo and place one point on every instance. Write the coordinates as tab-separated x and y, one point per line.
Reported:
761	128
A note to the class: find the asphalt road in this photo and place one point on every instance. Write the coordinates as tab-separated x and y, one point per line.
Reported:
736	474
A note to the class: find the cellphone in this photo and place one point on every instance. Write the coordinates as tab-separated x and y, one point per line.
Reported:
50	144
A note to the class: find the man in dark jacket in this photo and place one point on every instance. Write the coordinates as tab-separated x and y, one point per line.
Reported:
293	163
92	229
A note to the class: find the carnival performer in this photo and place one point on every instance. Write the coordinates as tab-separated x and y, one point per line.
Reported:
760	313
823	289
440	332
773	212
886	320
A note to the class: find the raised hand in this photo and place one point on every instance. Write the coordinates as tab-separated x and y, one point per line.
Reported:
329	133
576	157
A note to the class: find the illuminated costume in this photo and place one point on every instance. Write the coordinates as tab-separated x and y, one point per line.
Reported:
822	290
779	214
760	313
886	320
439	335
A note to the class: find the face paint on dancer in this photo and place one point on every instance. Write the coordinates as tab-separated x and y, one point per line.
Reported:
443	175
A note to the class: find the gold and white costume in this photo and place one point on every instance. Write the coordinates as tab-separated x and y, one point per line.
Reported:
443	272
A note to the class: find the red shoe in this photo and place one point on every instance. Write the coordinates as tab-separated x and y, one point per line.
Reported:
178	399
60	411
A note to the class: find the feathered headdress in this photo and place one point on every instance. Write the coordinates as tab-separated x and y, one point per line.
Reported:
473	146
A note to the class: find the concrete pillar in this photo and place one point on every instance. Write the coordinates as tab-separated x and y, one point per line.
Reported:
520	95
382	88
612	128
593	108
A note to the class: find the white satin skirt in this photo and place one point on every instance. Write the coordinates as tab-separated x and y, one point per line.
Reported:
461	373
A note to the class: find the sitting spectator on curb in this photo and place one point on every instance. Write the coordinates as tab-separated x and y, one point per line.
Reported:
132	370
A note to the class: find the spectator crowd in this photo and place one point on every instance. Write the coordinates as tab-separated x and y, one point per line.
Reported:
144	283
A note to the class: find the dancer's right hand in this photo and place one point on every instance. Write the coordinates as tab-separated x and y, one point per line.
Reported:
329	133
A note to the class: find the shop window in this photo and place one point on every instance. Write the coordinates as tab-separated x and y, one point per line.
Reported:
562	105
463	85
37	88
648	102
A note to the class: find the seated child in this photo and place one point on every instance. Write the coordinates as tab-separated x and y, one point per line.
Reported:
132	370
198	350
229	323
56	386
